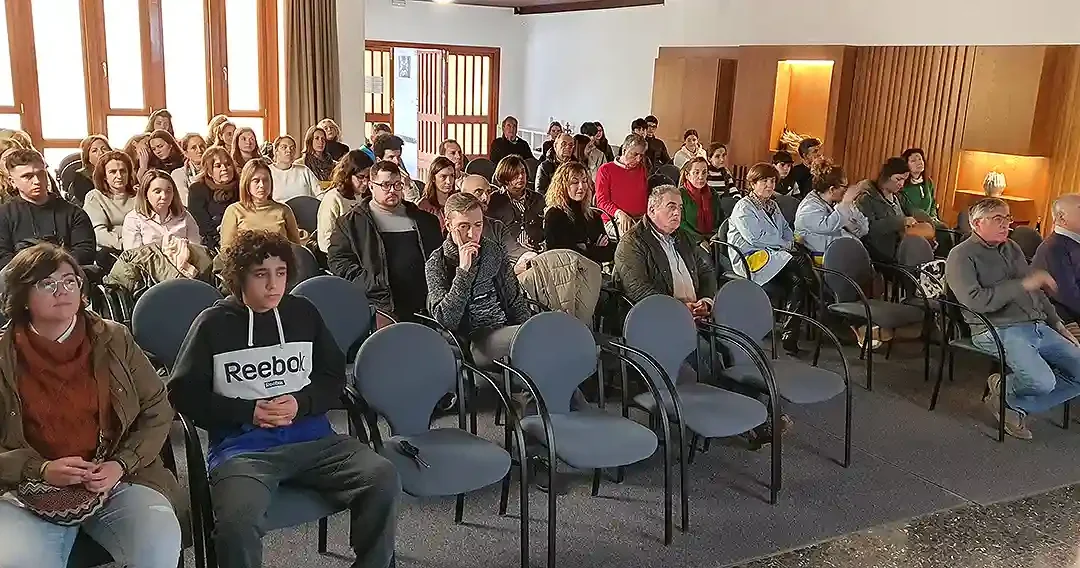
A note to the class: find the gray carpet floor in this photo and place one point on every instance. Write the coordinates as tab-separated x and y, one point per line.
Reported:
907	463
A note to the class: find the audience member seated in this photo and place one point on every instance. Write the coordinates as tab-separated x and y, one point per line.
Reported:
517	207
315	158
160	119
509	144
348	184
257	210
245	147
562	151
90	149
554	131
388	147
335	148
265	434
477	186
112	198
656	153
990	275
193	145
918	192
595	131
378	129
569	221
760	232
701	216
291	179
451	149
36	215
622	186
472	289
587	153
691	149
85	418
157	212
215	188
221	132
890	216
382	244
787	185
1059	255
441	183
829	212
801	174
720	180
138	149
165	154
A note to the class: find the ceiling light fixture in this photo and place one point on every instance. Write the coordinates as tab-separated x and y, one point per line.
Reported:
444	1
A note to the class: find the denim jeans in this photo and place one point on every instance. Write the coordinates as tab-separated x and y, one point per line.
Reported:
137	526
1045	366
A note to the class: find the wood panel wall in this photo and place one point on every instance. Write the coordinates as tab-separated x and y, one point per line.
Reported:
909	96
1064	68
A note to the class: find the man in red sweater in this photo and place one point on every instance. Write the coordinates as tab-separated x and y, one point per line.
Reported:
622	186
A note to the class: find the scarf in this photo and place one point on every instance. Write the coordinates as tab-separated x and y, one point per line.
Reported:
222	193
766	205
321	166
702	198
63	401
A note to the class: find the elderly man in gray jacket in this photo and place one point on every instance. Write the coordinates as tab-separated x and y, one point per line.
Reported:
990	275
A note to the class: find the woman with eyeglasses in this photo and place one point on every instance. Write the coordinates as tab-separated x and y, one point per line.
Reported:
348	184
83	418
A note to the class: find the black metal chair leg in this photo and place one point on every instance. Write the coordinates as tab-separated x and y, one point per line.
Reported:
693	448
940	377
888	349
1065	417
595	482
524	512
705	446
459	508
552	509
322	535
620	474
504	496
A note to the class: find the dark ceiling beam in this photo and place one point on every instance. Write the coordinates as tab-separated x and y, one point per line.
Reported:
585	5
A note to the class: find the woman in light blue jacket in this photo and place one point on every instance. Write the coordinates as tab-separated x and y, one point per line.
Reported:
829	212
759	230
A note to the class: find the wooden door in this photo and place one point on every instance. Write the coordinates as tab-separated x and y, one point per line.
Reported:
432	105
471	97
378	106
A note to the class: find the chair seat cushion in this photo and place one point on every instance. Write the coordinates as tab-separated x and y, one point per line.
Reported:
888	315
460	462
711	411
594	439
798	382
293	506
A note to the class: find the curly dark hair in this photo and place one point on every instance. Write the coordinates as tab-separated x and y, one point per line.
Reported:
30	266
248	249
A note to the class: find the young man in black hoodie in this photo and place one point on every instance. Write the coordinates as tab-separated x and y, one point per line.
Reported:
259	371
35	215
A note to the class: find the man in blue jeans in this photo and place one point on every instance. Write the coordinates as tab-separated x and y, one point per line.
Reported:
990	275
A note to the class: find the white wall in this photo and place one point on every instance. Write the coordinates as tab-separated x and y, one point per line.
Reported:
613	82
350	14
427	22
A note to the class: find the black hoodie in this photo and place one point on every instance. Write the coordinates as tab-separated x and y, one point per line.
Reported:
56	221
233	357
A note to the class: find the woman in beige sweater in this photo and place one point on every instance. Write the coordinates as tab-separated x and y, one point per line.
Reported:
112	198
257	210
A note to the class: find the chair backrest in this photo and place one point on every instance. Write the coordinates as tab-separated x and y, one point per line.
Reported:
743	305
669	171
343	305
419	185
165	312
67	168
531	164
481	166
306	210
788	206
1029	240
307	267
664	328
963	222
558	353
848	256
402	371
914	251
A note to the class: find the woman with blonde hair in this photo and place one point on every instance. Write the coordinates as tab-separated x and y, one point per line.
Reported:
441	183
569	221
220	132
334	146
215	188
112	198
90	151
158	212
257	210
701	207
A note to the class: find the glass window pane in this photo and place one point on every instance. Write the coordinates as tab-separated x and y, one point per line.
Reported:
242	40
11	121
185	64
58	42
53	156
120	128
255	124
7	93
123	52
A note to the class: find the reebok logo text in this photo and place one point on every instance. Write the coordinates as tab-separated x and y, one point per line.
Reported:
275	367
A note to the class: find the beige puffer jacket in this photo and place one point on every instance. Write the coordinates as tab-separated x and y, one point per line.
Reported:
564	281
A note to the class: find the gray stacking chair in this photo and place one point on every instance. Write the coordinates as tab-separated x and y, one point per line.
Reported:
720	247
788	206
344	308
1029	240
550	356
914	251
405	391
481	166
743	305
307	266
663	329
671	172
847	271
306	210
165	312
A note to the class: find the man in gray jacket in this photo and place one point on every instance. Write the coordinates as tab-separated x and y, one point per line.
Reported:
990	275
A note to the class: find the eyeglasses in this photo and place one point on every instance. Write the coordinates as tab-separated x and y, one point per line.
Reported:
67	284
1000	219
399	186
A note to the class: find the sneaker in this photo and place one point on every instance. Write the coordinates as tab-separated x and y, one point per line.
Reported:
1014	419
762	435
